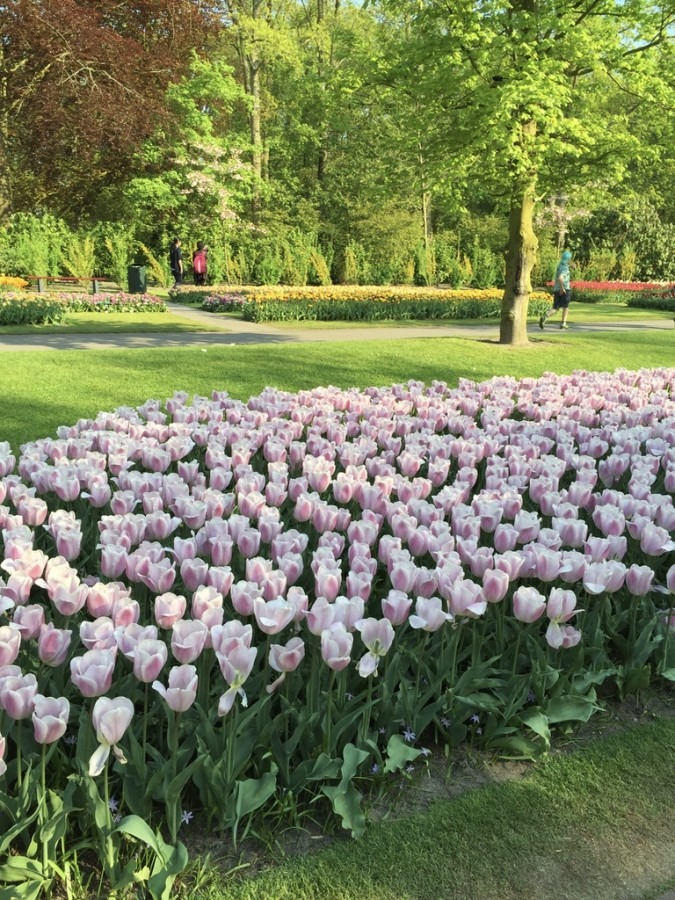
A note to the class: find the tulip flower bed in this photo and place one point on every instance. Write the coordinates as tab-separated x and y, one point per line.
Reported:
349	303
29	309
222	302
12	283
119	302
212	608
615	292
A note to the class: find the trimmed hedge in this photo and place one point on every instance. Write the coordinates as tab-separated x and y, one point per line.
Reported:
30	309
664	300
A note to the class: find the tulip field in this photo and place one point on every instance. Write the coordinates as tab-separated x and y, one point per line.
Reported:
217	609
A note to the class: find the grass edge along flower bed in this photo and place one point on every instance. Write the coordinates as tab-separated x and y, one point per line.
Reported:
338	578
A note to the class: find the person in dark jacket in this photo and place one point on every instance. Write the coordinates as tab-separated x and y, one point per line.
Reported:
176	260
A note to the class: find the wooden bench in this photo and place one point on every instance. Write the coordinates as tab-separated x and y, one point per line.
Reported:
43	280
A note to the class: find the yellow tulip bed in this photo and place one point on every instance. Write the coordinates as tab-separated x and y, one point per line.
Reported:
368	303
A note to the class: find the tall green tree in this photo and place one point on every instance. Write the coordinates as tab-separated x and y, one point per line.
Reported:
514	81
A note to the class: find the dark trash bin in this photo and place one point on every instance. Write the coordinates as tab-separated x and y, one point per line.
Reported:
138	279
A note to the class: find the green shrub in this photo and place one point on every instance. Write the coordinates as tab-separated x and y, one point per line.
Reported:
30	309
159	270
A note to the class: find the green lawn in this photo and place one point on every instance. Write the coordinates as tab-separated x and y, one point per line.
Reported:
119	323
40	390
595	825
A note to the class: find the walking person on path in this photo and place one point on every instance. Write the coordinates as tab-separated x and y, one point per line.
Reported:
176	260
200	261
562	291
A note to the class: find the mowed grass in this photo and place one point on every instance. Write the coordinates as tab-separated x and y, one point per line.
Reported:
40	390
595	825
117	323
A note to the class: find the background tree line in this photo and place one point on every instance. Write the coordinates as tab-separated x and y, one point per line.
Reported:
308	140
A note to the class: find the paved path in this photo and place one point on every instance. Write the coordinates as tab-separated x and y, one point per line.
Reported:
238	332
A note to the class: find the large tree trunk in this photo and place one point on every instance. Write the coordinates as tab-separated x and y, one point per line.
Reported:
5	193
521	255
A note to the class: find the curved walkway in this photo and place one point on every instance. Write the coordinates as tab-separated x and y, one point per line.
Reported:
236	331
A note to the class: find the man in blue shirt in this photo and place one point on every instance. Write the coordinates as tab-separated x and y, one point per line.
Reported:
562	291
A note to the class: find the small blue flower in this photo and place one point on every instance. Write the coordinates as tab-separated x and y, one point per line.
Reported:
186	817
382	730
445	722
425	751
475	718
375	769
113	804
409	736
349	696
410	769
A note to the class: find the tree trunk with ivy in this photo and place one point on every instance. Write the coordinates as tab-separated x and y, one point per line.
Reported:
521	255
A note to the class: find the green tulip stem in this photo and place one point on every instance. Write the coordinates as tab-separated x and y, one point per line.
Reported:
43	808
145	719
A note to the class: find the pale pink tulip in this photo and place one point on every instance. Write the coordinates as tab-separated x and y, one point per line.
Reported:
113	560
149	659
69	598
182	690
336	646
562	636
320	615
274	616
28	619
243	595
348	610
188	640
193	572
638	580
465	598
231	634
378	636
92	673
495	585
429	614
53	645
17	695
111	718
169	608
50	718
10	644
127	637
221	578
285	658
159	577
396	606
561	605
235	666
3	751
328	582
528	604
